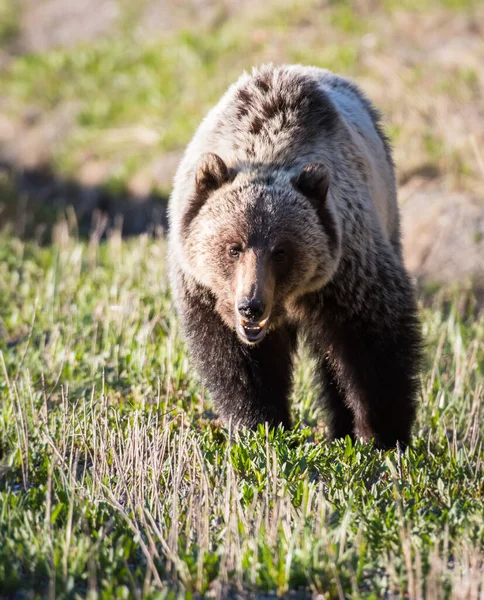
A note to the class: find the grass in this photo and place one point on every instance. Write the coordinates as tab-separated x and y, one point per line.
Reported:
8	22
134	98
115	480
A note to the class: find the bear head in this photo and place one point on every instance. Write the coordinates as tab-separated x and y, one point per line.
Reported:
259	239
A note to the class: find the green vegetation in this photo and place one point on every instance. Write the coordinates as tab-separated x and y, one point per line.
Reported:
116	482
131	98
8	21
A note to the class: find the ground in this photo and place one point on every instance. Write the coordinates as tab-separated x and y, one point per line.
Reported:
117	482
116	479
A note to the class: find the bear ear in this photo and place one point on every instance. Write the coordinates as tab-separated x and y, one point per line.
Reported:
211	174
313	182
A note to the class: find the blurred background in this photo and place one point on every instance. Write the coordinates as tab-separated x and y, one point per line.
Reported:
98	99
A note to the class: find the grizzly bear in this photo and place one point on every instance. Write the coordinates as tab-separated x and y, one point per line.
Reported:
284	226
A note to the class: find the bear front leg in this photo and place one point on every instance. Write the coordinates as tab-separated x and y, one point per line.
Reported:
340	420
377	368
248	384
339	417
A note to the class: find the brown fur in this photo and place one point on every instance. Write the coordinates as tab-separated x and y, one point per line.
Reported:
284	209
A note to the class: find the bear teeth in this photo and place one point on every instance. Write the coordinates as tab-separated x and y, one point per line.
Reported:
260	325
256	327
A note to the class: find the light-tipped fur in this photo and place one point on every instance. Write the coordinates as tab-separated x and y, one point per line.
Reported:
291	175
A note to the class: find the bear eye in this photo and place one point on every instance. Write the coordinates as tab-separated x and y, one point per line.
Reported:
279	254
235	251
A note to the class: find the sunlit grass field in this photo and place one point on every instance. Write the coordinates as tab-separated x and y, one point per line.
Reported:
117	481
116	478
110	108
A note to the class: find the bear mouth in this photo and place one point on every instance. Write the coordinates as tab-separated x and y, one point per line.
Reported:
252	332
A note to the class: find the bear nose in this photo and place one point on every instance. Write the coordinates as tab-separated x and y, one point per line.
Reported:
252	310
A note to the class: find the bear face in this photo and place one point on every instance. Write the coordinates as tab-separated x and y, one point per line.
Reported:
259	241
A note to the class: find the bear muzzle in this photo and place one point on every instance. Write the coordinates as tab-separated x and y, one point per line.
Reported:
252	316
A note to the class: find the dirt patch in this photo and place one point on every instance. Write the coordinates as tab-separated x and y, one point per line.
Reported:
48	24
443	235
